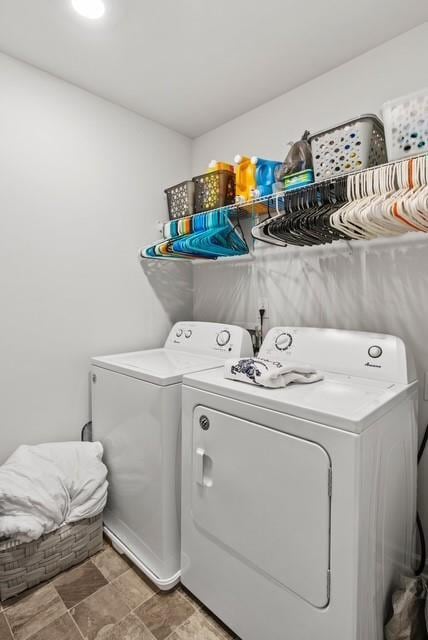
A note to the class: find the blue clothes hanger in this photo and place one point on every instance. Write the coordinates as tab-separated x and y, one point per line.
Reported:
216	243
206	235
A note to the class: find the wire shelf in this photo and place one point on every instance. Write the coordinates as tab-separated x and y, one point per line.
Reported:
275	204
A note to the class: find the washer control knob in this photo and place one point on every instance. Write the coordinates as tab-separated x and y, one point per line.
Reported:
283	341
223	338
179	333
188	333
375	351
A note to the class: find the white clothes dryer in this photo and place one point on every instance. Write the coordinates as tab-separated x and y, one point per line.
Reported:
299	504
136	414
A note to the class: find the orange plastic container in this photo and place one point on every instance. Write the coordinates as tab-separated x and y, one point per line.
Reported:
245	178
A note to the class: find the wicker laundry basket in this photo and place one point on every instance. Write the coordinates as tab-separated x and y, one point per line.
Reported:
25	565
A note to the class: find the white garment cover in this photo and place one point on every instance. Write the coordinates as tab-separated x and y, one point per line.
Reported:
47	485
267	373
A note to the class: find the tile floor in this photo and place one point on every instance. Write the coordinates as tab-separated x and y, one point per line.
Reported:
106	598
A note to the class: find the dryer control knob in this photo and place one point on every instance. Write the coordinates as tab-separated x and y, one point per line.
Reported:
179	333
188	333
223	338
375	351
283	341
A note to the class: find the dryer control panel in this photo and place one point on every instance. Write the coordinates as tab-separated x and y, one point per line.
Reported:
219	340
355	353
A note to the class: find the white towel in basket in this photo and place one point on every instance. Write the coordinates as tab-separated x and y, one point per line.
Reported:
267	373
47	485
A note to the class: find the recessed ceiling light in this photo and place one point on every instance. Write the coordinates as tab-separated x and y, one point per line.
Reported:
92	9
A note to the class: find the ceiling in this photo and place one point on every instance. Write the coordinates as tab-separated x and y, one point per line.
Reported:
194	64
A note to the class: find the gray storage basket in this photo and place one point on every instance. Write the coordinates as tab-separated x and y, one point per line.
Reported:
181	199
350	146
25	565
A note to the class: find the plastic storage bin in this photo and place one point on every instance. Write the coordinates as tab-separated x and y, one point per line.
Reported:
406	125
214	189
352	145
181	199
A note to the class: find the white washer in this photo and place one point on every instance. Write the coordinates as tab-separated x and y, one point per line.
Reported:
136	414
299	504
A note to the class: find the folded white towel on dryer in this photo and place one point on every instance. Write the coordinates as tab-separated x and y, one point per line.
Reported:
268	373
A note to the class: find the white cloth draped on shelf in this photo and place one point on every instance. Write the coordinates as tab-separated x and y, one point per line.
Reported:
267	373
47	485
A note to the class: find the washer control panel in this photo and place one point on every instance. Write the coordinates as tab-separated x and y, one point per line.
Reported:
221	340
354	353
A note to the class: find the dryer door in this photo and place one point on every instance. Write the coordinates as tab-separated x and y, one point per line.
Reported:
265	496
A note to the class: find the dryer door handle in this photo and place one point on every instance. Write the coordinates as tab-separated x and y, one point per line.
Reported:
199	466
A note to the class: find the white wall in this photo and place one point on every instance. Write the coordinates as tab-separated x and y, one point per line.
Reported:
377	287
81	184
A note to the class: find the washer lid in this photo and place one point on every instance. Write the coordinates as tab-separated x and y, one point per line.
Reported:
341	401
159	366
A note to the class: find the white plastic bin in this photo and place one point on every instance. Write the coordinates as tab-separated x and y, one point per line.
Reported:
406	125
